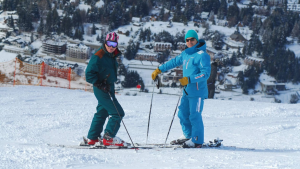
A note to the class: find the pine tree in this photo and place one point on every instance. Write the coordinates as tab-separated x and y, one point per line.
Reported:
131	50
245	87
177	13
48	25
31	38
296	30
132	79
35	11
76	34
233	60
142	36
161	13
94	29
222	12
66	26
25	20
11	22
77	20
41	27
239	54
233	14
211	16
189	9
217	42
55	22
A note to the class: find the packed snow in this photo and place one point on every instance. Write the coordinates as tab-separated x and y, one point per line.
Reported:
31	117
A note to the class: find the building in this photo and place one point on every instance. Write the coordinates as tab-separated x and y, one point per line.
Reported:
259	2
253	61
4	28
15	41
222	23
181	46
277	2
146	56
236	36
204	15
13	49
144	69
55	47
77	52
161	47
172	77
293	5
270	88
211	51
123	31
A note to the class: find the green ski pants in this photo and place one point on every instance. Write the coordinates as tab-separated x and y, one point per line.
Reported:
105	109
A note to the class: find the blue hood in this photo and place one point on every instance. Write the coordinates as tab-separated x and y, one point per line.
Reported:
201	45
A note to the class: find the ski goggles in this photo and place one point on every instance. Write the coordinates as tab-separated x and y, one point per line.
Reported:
191	39
111	44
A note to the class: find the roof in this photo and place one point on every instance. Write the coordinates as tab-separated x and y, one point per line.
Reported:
237	37
163	43
147	54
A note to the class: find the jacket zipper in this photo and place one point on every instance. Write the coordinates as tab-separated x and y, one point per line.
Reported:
187	64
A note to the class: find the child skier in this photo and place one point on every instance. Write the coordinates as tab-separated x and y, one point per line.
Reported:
102	73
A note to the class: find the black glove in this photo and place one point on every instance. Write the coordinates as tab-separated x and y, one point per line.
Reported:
104	86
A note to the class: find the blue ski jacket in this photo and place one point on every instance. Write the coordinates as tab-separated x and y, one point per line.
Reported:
196	66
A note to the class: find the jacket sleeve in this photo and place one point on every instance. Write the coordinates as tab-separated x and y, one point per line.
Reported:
177	61
205	68
93	70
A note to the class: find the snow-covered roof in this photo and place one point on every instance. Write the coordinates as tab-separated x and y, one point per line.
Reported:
11	38
4	26
255	58
13	48
135	19
212	49
162	43
52	42
99	4
147	54
142	64
6	56
80	46
233	43
204	15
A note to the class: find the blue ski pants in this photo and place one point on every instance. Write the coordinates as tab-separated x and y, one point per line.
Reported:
190	115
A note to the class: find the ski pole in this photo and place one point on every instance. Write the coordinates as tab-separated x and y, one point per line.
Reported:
150	109
122	121
173	118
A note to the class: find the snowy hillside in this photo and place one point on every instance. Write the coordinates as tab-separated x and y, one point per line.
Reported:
32	117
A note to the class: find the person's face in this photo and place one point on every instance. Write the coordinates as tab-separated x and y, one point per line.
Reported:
110	46
190	42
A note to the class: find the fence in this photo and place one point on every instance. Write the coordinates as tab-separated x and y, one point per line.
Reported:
17	72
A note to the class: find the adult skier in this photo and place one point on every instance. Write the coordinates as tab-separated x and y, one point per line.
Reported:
196	71
102	73
214	62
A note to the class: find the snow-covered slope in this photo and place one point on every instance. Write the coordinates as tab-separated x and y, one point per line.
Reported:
31	117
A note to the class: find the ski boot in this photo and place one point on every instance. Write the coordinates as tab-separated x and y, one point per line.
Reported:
179	141
114	141
190	144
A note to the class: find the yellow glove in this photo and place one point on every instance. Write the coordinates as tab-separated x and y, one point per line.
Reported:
155	73
184	81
